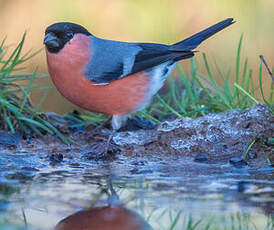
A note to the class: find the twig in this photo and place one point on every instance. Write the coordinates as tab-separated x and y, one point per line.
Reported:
268	69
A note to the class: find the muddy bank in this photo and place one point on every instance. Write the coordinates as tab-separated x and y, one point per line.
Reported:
214	138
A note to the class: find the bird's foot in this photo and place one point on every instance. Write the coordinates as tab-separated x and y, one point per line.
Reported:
102	150
105	150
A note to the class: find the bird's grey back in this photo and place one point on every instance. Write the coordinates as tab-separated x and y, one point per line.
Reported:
110	60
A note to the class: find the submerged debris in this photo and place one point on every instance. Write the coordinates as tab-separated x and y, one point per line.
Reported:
201	158
56	158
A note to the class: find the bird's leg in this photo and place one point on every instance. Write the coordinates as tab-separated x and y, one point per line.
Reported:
106	149
102	125
117	121
98	127
113	199
108	141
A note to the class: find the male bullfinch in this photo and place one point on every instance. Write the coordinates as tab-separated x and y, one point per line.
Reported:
113	77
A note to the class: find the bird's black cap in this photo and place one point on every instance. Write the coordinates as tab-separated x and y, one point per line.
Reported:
67	27
58	34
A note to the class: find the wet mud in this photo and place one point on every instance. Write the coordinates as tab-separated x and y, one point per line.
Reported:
182	164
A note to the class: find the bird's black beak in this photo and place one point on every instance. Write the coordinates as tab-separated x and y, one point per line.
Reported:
51	41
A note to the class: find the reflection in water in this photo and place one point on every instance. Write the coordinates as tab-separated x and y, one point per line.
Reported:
104	218
111	217
167	193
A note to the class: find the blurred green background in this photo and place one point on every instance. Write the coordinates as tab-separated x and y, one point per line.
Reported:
163	21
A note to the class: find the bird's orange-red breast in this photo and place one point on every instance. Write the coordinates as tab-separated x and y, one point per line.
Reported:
113	77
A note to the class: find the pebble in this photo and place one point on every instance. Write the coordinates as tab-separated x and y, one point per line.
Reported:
56	158
242	186
137	171
201	158
237	162
133	124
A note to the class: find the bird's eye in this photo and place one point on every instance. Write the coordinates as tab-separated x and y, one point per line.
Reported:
70	35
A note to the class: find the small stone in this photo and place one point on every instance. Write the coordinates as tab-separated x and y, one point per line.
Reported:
137	171
56	158
242	186
201	158
134	124
237	162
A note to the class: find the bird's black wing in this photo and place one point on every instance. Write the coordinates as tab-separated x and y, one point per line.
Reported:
118	60
152	55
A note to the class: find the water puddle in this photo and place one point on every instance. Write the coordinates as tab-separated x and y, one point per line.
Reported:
165	192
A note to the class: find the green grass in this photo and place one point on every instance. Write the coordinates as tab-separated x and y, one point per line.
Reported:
195	94
16	110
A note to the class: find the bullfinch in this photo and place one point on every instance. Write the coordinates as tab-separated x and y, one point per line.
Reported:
113	77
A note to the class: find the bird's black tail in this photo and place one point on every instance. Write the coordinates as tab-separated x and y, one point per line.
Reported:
196	39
